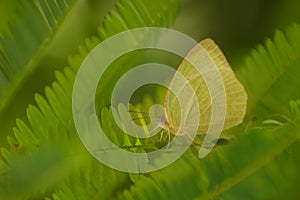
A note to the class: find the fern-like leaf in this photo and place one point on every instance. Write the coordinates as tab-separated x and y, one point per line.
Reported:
255	166
271	73
51	122
25	45
257	156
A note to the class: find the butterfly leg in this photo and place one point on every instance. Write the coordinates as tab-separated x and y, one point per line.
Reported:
161	135
154	129
169	138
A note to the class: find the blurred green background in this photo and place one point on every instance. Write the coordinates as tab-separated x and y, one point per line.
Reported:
238	26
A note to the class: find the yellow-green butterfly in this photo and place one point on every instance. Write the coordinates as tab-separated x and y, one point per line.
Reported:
236	96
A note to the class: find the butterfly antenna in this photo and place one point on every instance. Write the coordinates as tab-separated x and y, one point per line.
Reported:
138	118
141	112
135	111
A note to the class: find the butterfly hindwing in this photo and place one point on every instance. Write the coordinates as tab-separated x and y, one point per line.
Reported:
236	96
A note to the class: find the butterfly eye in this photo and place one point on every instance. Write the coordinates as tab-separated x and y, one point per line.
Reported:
161	121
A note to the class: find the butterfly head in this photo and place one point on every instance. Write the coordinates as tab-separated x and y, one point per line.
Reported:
161	121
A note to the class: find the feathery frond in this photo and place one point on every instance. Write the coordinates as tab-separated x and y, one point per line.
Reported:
271	74
52	122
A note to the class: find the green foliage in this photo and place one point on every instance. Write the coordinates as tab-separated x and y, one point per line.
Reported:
47	160
51	123
267	72
229	172
23	47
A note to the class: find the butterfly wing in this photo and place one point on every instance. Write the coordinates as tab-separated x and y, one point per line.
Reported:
236	95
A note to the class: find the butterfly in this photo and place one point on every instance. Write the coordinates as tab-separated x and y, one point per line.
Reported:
236	96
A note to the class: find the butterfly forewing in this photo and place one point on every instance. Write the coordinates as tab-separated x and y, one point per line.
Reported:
236	96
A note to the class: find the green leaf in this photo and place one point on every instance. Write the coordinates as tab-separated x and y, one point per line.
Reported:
270	74
258	158
22	48
56	124
252	163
